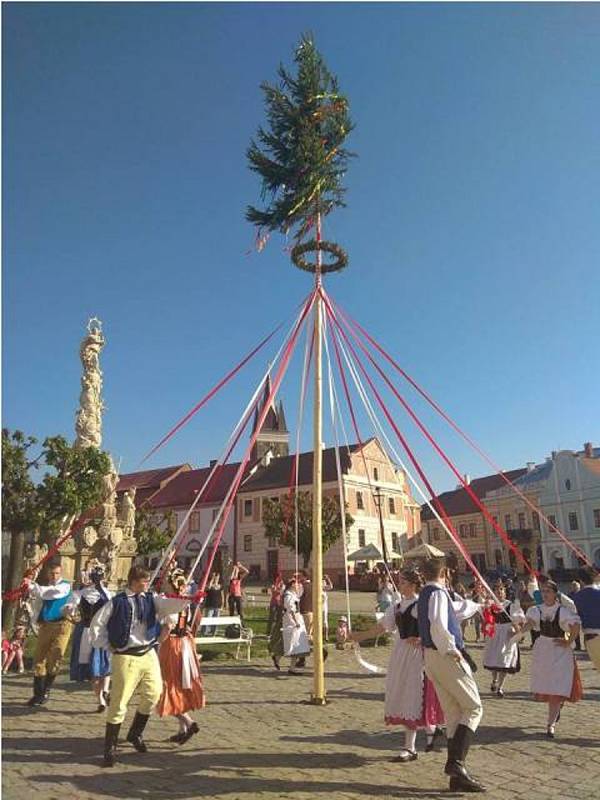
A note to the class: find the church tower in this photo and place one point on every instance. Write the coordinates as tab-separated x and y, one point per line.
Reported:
274	435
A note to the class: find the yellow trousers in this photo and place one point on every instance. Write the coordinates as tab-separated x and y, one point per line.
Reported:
593	648
128	674
52	641
456	690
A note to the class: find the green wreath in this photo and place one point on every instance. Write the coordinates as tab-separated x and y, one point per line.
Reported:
312	246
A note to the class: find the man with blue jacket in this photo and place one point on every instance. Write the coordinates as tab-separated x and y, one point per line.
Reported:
129	625
53	628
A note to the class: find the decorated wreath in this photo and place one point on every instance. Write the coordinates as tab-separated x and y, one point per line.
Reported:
312	246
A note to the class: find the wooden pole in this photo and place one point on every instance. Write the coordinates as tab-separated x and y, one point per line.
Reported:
318	695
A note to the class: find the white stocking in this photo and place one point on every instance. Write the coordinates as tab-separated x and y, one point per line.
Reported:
410	739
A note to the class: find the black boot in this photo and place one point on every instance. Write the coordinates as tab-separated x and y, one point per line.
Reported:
458	747
39	684
111	738
47	686
135	732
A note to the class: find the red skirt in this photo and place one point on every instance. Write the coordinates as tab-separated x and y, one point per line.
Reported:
432	713
182	680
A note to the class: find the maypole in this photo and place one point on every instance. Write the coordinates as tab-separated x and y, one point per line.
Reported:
301	160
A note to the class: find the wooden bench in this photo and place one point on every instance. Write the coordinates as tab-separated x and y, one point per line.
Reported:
244	638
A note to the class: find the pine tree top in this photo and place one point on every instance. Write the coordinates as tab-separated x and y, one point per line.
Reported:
300	156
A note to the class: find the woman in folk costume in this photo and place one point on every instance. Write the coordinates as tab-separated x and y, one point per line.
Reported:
554	678
90	663
500	657
183	690
295	639
410	699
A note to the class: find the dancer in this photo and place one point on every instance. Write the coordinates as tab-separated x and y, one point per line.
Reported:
306	602
296	645
49	604
275	602
213	603
500	657
410	699
587	602
129	625
182	681
327	587
445	666
91	663
6	650
554	674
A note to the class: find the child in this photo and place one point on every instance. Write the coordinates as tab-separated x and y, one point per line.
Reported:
6	649
341	634
16	650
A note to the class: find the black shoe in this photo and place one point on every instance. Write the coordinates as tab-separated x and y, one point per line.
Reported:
39	683
48	681
111	737
465	784
134	736
325	654
301	662
293	672
275	661
430	746
500	693
100	709
176	738
405	756
191	731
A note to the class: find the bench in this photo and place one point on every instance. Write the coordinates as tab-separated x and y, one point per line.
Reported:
244	639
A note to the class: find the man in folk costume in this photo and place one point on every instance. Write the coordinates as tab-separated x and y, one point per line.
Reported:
129	624
587	602
446	667
53	629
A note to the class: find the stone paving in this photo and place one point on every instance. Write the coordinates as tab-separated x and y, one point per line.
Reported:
259	740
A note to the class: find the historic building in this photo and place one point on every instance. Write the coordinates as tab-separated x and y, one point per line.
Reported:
566	489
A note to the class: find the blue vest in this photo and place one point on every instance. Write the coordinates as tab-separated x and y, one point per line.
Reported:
587	603
425	625
52	609
119	623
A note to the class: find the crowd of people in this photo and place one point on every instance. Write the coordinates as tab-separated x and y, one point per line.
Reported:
139	641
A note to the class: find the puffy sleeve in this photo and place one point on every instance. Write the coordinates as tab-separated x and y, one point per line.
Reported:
533	616
98	627
289	602
516	614
170	620
464	608
388	621
169	605
568	618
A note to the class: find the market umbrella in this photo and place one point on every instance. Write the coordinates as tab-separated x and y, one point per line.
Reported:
424	551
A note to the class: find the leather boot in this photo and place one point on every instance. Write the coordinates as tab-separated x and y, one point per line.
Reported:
111	738
458	747
39	684
47	686
135	732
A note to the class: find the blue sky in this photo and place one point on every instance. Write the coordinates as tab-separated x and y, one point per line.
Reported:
472	224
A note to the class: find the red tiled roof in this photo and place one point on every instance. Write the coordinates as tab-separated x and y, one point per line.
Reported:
279	472
150	478
183	489
460	502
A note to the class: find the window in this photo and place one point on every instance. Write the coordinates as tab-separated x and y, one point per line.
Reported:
536	521
507	522
361	538
391	505
462	530
472	530
247	543
552	521
247	508
522	520
272	540
395	544
195	521
359	500
567	484
573	523
436	534
375	474
596	513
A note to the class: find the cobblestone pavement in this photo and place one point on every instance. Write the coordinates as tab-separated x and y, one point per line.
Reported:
258	740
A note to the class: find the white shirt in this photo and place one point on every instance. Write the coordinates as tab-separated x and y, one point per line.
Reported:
138	635
438	620
38	594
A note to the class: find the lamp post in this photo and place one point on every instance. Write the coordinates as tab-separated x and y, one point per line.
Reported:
378	497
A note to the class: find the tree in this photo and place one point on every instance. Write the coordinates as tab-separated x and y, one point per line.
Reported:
72	484
279	522
301	158
153	532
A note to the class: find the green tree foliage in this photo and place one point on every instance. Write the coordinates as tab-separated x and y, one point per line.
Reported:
300	157
153	532
279	522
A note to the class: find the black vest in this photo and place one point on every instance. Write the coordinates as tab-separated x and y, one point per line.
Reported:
408	626
551	627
